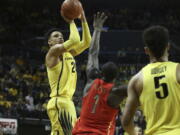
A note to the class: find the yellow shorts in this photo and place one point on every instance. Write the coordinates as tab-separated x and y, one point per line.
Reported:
62	114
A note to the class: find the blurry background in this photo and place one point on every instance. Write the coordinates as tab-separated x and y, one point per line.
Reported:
24	87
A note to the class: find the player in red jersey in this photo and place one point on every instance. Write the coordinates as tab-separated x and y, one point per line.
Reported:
98	112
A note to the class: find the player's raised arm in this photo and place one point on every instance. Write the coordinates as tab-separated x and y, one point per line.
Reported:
93	61
92	69
86	37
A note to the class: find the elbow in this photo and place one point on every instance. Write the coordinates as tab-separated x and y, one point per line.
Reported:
75	40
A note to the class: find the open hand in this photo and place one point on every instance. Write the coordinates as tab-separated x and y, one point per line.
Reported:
99	20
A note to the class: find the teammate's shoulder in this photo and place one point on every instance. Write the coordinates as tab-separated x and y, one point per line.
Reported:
178	65
137	76
136	81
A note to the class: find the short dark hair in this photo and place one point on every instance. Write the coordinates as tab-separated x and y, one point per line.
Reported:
48	33
109	71
93	73
156	38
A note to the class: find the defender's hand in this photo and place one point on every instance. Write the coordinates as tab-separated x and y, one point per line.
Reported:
99	20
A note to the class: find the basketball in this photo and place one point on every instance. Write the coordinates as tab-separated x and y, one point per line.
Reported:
71	9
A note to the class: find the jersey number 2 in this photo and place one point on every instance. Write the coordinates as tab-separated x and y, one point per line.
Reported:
163	85
96	98
73	67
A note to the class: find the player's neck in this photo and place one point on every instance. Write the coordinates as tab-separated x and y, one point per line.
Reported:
107	81
161	59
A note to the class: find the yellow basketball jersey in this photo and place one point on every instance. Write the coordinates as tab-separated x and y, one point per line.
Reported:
160	99
63	77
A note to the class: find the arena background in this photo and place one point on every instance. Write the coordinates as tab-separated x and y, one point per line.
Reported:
23	81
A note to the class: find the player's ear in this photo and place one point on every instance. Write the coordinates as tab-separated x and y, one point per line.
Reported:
168	46
146	49
50	42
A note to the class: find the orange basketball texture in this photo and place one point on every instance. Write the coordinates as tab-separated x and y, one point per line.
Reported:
71	9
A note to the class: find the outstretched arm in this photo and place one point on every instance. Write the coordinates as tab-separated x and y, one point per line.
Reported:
117	95
93	61
86	37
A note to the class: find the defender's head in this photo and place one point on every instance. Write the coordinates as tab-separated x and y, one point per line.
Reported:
54	36
156	40
109	71
94	73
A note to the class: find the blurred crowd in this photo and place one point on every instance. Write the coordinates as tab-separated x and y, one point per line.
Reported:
25	89
18	21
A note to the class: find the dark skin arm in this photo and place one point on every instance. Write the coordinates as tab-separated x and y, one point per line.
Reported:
93	60
117	95
93	54
135	87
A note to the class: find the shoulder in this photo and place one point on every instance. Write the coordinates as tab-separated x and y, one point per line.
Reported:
51	61
136	78
136	83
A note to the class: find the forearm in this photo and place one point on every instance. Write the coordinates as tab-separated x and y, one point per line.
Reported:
93	54
86	39
73	38
94	46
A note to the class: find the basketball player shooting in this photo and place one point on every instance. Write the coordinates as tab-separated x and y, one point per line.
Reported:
61	70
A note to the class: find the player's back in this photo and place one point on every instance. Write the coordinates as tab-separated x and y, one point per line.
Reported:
63	76
160	98
96	115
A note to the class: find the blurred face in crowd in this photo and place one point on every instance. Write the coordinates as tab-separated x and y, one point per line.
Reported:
56	37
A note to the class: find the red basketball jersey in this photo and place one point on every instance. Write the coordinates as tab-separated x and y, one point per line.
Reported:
96	115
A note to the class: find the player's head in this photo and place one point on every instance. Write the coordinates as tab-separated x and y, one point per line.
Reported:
109	71
54	36
94	73
156	40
